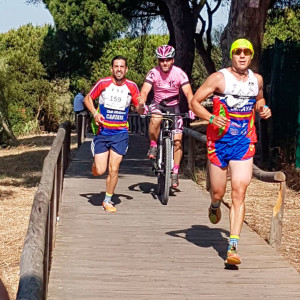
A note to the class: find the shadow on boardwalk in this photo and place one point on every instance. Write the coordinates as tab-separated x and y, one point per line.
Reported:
152	251
206	237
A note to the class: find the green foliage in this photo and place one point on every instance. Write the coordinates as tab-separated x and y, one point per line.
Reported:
81	30
29	96
140	53
282	24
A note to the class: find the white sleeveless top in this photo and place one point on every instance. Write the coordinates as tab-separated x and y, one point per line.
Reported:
241	90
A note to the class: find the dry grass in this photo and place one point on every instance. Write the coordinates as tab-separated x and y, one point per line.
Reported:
20	172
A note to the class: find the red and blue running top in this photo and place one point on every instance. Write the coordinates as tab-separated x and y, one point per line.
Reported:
114	104
236	104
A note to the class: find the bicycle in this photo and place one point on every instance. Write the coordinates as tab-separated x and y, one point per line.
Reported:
164	162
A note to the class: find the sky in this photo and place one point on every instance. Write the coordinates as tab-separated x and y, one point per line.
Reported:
15	13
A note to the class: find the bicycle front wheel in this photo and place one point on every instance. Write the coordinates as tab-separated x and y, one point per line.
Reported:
164	177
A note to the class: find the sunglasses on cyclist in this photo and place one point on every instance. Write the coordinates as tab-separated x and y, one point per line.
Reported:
238	51
164	59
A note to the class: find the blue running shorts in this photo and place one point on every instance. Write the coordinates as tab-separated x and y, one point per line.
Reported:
103	143
220	154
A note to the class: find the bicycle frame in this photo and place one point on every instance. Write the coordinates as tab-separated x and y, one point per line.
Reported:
165	132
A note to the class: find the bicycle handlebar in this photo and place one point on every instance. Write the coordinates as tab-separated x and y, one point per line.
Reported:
167	114
183	115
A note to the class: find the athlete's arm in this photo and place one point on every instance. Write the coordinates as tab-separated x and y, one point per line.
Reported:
187	90
88	101
146	88
140	108
214	83
136	100
260	106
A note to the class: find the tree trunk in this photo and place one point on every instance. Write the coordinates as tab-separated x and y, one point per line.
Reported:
7	131
247	19
166	14
206	56
182	20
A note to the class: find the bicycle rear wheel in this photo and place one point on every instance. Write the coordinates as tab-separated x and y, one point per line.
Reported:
164	177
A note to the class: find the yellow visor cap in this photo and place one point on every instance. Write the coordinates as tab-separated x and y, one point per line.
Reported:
241	43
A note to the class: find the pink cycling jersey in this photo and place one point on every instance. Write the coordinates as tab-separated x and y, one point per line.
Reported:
167	85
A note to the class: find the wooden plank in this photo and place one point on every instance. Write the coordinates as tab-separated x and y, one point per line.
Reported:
150	251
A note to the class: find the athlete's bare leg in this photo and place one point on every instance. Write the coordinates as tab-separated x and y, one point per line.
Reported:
177	148
100	162
113	171
154	127
218	181
241	175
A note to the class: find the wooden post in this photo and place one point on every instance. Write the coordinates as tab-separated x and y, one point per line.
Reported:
47	254
277	218
191	155
60	178
79	129
66	144
139	129
147	127
83	127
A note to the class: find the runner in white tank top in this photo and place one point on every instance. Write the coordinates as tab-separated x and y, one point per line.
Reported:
231	135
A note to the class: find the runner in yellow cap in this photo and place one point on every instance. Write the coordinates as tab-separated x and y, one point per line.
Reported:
231	137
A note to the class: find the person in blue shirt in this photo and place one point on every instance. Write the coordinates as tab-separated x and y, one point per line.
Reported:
79	102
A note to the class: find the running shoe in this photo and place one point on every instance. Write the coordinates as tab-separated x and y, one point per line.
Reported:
232	257
214	214
152	152
109	206
174	180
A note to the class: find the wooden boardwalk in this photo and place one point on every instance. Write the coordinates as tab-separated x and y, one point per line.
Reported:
150	251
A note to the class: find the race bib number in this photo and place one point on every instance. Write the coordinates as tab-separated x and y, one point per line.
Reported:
116	98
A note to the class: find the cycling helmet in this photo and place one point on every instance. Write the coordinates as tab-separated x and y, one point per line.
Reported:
165	51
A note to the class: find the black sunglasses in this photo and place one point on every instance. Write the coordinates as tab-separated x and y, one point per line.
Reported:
165	59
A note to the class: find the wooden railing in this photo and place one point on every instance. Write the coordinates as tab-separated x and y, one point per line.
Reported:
275	177
81	120
138	123
40	238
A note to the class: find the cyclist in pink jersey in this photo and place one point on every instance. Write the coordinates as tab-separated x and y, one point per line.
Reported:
166	80
231	137
110	143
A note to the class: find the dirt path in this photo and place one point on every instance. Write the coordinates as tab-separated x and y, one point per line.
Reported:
19	178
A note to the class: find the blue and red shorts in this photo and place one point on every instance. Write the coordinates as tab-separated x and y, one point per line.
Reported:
220	153
117	142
